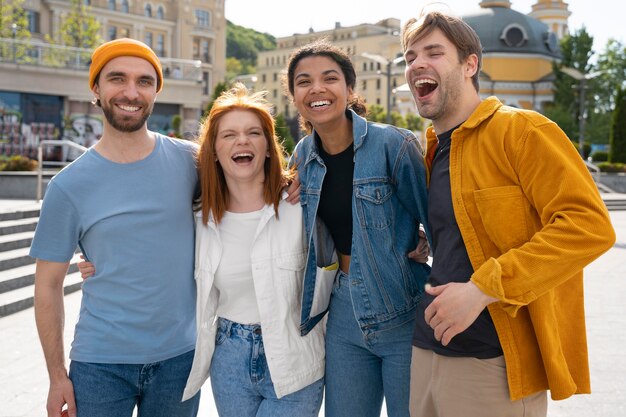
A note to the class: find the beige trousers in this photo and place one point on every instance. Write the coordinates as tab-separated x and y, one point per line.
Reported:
443	386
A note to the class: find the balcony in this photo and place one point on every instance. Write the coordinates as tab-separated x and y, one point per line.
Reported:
38	54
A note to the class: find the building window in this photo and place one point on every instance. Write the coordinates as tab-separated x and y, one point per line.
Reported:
160	13
112	32
364	86
124	7
147	11
275	77
264	78
514	35
275	93
148	39
364	66
204	45
203	18
160	46
378	84
33	18
205	83
111	4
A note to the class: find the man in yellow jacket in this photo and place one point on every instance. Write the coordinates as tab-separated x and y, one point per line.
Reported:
515	217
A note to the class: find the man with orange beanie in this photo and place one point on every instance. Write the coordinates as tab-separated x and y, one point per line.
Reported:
127	203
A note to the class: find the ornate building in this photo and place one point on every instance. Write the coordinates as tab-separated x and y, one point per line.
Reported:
371	46
519	49
518	52
43	87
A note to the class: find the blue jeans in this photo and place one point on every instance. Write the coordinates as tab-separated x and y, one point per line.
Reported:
363	366
105	389
241	381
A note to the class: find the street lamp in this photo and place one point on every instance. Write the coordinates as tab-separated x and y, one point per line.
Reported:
582	86
14	32
388	64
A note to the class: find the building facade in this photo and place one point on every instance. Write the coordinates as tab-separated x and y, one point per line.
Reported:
518	53
43	87
371	47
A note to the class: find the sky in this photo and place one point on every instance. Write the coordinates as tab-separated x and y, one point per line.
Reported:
603	19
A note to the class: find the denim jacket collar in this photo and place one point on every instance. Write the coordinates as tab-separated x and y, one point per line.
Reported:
359	131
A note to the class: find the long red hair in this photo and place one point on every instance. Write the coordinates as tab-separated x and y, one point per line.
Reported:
214	192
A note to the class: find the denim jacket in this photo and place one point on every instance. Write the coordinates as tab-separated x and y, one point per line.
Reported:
389	202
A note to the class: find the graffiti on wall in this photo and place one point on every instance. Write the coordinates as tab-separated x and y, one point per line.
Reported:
83	129
18	138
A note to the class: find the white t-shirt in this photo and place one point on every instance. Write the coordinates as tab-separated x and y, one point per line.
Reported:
233	278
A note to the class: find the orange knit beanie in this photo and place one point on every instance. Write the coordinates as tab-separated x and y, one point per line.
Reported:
123	47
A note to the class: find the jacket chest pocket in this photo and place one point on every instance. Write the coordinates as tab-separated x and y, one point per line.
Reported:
289	274
373	203
503	214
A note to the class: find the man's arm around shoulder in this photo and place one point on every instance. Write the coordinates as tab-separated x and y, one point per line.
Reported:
50	319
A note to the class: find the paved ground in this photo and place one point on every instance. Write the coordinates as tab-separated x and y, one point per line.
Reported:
24	384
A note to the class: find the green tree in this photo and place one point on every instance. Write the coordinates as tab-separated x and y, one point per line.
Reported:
414	122
576	51
376	113
244	44
617	152
79	28
234	67
397	120
13	25
284	134
563	117
177	121
598	127
219	89
612	65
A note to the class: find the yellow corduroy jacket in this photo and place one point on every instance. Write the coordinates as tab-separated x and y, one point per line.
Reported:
531	218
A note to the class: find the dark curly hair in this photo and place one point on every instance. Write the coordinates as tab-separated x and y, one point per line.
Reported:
323	47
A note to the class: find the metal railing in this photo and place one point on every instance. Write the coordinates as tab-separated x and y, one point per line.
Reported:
41	54
62	142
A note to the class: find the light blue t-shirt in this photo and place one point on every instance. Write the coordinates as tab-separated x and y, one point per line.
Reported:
135	223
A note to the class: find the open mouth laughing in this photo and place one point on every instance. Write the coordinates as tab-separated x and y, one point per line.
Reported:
242	157
425	86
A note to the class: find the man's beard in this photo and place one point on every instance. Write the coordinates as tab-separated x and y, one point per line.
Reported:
125	123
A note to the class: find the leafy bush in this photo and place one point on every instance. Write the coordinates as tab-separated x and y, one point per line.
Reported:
600	156
612	167
17	163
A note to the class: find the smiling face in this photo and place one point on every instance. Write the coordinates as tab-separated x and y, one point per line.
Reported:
126	89
241	147
435	76
320	90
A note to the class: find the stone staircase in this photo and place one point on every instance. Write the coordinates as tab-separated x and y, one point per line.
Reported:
17	269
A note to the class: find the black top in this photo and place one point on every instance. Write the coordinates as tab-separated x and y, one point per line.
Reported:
450	264
335	207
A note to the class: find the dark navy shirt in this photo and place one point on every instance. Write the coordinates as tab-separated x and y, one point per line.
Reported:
450	264
335	207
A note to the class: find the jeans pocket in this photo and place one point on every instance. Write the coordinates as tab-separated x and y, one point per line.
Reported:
221	336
